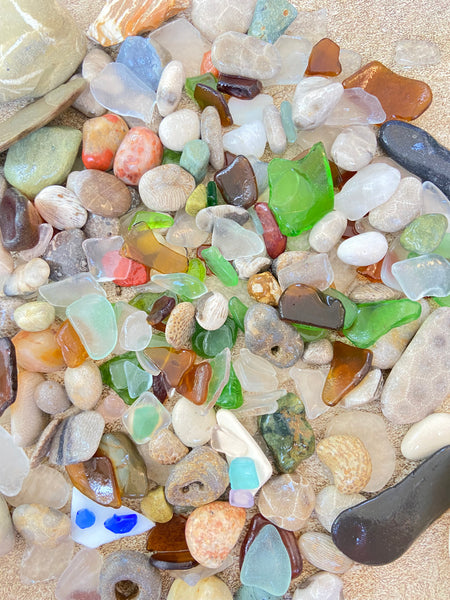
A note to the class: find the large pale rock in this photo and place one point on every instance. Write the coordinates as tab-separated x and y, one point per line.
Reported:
214	17
420	380
40	47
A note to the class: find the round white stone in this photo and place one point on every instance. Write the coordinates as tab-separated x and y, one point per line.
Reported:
354	148
314	99
178	128
426	437
362	250
327	232
190	424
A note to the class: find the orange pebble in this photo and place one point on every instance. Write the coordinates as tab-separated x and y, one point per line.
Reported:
140	150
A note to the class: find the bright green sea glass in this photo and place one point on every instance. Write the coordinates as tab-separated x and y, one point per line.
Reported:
220	266
145	300
153	220
231	396
444	247
310	333
301	191
206	79
238	310
182	284
443	301
171	157
197	269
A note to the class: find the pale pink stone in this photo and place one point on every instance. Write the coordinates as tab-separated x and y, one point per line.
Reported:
112	408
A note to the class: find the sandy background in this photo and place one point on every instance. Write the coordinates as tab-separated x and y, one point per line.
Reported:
370	28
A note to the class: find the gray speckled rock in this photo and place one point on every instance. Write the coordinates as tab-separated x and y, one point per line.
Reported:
77	438
65	254
131	566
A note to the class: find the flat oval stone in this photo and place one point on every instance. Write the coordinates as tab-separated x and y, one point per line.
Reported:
426	437
235	53
320	551
77	438
125	565
100	193
178	128
380	530
330	502
402	207
237	183
84	385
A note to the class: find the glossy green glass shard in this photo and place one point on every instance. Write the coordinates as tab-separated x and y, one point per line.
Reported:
207	79
231	396
153	220
238	310
220	266
350	307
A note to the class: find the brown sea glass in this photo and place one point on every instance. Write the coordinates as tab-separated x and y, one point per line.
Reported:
309	306
288	538
174	363
73	351
350	230
161	309
141	245
206	96
401	97
8	374
167	545
340	177
195	382
274	240
38	351
324	59
228	158
237	183
348	367
95	478
245	88
19	221
161	387
372	272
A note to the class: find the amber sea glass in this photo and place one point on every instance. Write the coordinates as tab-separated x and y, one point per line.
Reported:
324	59
348	367
95	479
167	545
73	351
207	96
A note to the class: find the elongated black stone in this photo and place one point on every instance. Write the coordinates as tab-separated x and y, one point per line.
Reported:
417	151
380	530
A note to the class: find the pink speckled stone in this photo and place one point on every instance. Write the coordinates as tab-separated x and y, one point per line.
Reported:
140	151
212	530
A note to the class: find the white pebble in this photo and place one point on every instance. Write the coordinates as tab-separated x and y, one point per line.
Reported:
314	99
170	87
362	250
249	139
327	232
427	436
178	128
354	148
276	136
84	385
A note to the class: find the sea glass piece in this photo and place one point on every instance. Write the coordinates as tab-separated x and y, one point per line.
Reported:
234	241
95	250
424	234
81	577
271	19
237	183
301	192
401	97
356	107
220	266
145	417
242	473
288	124
416	53
161	309
43	564
134	330
182	284
260	403
95	479
266	564
206	79
94	532
197	269
153	220
8	374
239	87
92	317
374	319
211	194
206	96
14	466
255	373
349	306
247	111
138	381
194	383
309	384
109	87
380	530
167	545
237	310
242	498
113	374
348	367
141	245
62	293
294	53
231	396
372	272
173	363
274	240
425	275
43	485
310	269
324	59
138	54
309	306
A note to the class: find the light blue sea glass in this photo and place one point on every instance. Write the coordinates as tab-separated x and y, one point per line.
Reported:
138	54
243	475
425	275
184	285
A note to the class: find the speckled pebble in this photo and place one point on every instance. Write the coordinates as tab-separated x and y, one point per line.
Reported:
76	439
65	255
50	396
165	448
181	325
155	506
319	352
40	524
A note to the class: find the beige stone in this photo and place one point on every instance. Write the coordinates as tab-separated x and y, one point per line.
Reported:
287	501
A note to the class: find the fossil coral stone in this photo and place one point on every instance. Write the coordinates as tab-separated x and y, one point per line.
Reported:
349	461
166	448
40	48
287	501
420	381
180	326
122	18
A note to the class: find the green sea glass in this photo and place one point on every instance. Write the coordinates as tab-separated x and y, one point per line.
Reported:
310	333
209	343
182	284
138	381
231	396
220	266
424	234
349	306
197	269
153	220
301	191
211	194
145	300
114	376
443	301
145	417
444	247
171	157
220	366
374	319
238	310
206	79
242	473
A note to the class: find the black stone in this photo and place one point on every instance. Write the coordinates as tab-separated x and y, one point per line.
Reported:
380	530
417	151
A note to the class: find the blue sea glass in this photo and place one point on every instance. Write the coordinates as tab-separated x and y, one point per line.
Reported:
121	523
243	475
138	54
85	518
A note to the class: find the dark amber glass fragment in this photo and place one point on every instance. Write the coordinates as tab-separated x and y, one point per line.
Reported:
19	221
161	309
207	96
309	306
73	351
239	87
401	97
372	272
194	383
350	230
8	374
229	157
174	363
340	177
161	387
288	538
237	183
380	530
324	59
348	367
95	478
274	240
167	545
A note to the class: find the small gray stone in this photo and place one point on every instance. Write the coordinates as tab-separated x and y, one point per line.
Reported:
77	438
101	227
128	565
51	397
65	254
319	352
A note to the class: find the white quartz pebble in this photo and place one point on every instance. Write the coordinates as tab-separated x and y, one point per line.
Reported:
321	586
314	99
426	437
249	139
354	148
276	137
370	187
364	249
178	128
170	87
246	111
191	425
327	232
402	207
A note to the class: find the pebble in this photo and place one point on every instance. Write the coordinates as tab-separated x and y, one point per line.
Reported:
369	389
213	17
34	316
319	352
264	288
420	381
416	53
427	436
60	207
50	396
356	107
310	269
211	133
129	565
27	419
364	249
30	66
166	188
424	234
206	217
178	128
83	385
321	586
170	87
401	208
313	101
86	104
102	137
43	485
319	550
373	292
65	255
197	479
76	439
268	336
206	589
276	136
354	148
166	448
330	502
211	311
212	531
235	53
27	278
287	501
155	506
247	140
271	19
139	151
100	193
191	425
101	227
195	158
327	232
40	563
348	460
251	265
41	525
14	466
7	533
